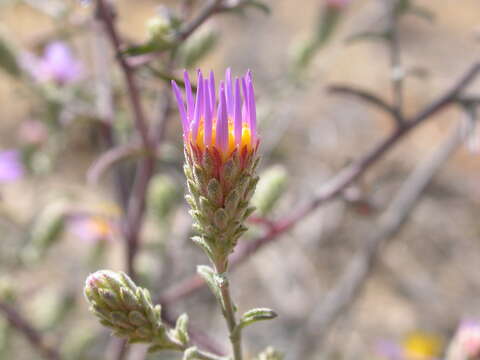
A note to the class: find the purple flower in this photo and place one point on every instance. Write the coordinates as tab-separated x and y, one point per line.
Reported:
91	228
11	167
57	65
221	122
390	350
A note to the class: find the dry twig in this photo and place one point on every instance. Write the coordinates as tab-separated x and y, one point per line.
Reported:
353	281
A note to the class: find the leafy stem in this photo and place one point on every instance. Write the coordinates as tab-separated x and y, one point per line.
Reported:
228	310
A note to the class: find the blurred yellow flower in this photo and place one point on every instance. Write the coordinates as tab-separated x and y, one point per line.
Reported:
420	345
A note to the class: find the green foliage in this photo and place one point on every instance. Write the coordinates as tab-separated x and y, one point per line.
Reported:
8	59
325	27
163	194
270	188
210	277
46	231
197	47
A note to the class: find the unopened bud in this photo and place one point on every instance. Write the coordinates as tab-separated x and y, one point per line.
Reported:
128	310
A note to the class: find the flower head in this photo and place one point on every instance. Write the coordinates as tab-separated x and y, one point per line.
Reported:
221	122
11	167
57	65
221	141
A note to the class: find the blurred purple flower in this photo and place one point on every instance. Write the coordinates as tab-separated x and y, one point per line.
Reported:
11	167
57	64
390	350
466	342
91	228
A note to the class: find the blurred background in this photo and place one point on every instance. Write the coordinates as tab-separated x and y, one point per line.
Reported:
69	150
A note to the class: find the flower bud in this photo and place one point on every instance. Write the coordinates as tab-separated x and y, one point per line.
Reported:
128	310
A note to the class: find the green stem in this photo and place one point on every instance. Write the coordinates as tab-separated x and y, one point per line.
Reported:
228	310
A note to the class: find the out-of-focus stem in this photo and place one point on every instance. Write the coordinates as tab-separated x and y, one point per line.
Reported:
33	336
397	71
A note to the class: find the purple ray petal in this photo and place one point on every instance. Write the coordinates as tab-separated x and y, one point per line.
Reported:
181	107
246	102
207	133
198	108
189	96
212	93
252	111
228	91
222	121
237	113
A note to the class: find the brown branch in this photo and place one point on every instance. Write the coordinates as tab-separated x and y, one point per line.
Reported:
368	98
135	207
331	189
354	279
397	70
109	158
33	336
136	204
105	14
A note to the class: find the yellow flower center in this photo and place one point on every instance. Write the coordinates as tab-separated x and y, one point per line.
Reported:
246	140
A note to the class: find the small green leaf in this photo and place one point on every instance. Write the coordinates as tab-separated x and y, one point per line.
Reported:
147	48
197	47
207	274
181	329
204	245
258	314
368	36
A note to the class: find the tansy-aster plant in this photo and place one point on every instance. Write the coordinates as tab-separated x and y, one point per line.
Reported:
221	142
